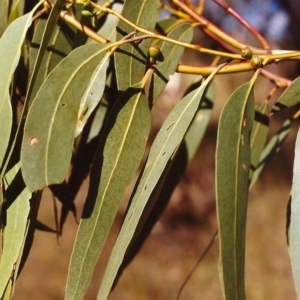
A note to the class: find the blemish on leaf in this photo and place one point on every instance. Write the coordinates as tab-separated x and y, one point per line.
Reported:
63	104
245	122
163	154
170	126
33	141
244	166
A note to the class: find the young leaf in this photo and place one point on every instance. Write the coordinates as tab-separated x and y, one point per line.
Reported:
272	148
112	170
50	125
294	237
233	161
171	55
289	97
131	58
164	145
17	197
10	50
259	135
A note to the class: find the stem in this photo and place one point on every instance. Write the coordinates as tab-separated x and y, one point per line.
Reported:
251	29
164	38
209	27
85	29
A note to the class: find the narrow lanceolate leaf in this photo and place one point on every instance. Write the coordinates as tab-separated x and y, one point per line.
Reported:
51	121
272	148
10	50
170	56
233	161
113	168
51	24
164	145
17	197
131	60
92	95
294	237
289	97
259	135
197	129
59	47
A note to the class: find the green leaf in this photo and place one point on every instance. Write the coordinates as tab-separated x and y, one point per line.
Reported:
197	129
272	148
10	50
49	27
259	136
131	58
17	197
50	125
170	56
233	159
165	144
112	170
108	24
289	97
294	237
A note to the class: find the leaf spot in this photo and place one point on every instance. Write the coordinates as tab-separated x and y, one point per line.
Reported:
63	104
244	166
170	126
145	187
163	154
245	122
33	141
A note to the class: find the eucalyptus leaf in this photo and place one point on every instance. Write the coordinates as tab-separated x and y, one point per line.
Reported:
259	135
17	197
169	58
131	58
47	34
198	126
114	165
51	121
165	144
233	160
10	51
294	237
272	148
290	97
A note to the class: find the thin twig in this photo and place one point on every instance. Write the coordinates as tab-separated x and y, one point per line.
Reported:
197	264
249	27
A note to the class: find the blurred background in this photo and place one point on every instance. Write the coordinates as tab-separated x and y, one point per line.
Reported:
188	224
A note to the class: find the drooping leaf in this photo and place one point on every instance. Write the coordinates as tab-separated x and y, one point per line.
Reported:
233	160
259	135
290	97
272	148
44	41
51	121
131	58
10	50
197	129
162	150
294	237
17	199
113	168
169	58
